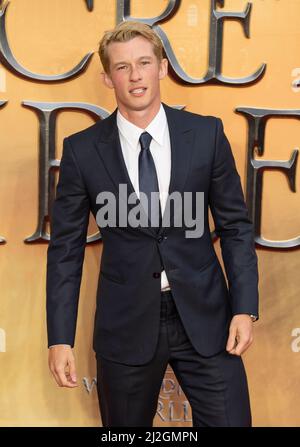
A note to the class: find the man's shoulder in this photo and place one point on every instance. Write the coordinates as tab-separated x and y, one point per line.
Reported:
193	118
86	135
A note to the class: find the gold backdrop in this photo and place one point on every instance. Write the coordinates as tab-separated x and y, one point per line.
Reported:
50	37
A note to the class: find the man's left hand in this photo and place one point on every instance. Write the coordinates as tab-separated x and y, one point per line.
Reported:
240	334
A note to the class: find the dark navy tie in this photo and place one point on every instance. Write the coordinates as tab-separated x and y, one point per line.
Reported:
147	176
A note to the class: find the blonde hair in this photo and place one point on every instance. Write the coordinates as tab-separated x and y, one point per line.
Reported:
124	32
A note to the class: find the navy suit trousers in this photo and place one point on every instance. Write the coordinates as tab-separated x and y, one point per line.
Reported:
216	387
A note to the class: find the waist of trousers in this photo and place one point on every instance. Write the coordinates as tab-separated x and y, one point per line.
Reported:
166	294
168	308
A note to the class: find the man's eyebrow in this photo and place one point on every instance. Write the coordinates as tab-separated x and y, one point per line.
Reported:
124	62
119	63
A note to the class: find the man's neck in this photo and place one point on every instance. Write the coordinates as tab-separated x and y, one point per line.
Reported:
140	118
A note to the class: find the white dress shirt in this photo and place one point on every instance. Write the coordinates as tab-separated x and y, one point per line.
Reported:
160	148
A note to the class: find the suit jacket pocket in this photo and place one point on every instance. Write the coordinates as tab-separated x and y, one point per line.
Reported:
112	277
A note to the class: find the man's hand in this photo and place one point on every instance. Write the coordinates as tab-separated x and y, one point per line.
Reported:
240	334
62	365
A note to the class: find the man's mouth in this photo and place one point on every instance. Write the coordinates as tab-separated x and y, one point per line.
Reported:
138	91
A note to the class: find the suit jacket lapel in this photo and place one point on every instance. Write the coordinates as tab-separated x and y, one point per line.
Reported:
109	149
181	139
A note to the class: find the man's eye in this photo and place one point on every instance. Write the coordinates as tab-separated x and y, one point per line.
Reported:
121	67
145	62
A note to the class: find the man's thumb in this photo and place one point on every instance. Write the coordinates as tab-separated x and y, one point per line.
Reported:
231	340
73	372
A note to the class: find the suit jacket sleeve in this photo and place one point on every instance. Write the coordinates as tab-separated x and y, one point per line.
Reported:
234	227
65	255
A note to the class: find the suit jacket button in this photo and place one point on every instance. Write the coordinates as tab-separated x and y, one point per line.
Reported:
156	275
160	238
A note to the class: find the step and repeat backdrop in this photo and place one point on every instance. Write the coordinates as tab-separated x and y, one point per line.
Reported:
234	59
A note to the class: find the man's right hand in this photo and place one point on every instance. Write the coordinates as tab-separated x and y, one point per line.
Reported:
62	365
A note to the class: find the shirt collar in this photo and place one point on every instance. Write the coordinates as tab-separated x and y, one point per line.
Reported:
132	133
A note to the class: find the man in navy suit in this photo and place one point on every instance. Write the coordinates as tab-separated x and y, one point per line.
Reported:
162	297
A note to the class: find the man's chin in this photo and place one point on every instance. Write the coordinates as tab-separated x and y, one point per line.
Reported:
138	104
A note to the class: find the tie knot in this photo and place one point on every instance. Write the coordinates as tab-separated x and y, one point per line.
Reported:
145	140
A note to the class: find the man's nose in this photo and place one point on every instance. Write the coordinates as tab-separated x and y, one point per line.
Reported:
135	74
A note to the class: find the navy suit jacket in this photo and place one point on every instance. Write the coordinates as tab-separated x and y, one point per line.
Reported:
128	295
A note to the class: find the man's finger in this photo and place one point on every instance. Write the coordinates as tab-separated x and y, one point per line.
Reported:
63	380
242	345
56	378
231	340
72	370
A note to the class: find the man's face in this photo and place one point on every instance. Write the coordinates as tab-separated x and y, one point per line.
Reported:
135	73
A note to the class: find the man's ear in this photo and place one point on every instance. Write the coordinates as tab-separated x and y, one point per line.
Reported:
163	69
106	79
